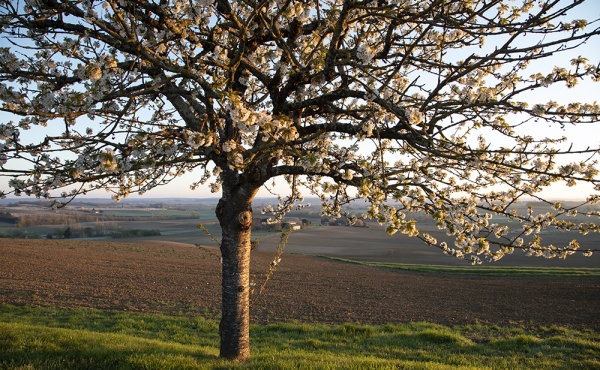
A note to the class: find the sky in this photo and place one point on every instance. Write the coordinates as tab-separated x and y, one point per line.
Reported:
581	135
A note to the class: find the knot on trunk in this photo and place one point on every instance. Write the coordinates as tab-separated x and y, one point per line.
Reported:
245	219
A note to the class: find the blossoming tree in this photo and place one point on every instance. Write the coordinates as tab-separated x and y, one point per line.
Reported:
388	101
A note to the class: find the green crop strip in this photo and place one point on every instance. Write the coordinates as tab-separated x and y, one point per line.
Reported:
479	270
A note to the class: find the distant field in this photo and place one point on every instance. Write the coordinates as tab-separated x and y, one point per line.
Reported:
362	244
373	244
157	212
367	244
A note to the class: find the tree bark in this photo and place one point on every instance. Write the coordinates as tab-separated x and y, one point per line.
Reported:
234	212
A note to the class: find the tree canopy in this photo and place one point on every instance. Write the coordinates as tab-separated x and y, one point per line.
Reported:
414	106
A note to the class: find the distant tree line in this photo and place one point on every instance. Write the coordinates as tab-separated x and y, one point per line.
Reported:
263	224
7	217
99	228
539	206
18	233
343	221
111	229
134	233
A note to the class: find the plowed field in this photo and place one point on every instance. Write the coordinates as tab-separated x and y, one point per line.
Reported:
181	279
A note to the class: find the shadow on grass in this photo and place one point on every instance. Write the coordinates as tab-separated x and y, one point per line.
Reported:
51	338
57	348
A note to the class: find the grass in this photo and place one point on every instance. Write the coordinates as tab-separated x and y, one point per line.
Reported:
51	338
481	270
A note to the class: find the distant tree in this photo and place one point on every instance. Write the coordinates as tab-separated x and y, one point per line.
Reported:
67	233
342	221
256	224
399	100
276	226
8	218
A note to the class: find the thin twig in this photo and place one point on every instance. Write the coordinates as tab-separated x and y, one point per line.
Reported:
273	265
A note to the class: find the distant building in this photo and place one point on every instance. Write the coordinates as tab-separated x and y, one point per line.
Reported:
291	225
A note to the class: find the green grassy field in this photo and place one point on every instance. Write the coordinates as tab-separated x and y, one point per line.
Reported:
51	338
481	270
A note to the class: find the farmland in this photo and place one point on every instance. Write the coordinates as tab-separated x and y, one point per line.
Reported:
177	222
175	251
103	298
175	278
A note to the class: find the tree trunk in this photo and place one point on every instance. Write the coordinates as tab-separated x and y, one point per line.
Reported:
234	212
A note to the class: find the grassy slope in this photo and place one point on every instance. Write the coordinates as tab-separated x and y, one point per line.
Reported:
53	338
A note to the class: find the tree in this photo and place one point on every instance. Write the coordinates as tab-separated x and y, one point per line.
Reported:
256	224
388	101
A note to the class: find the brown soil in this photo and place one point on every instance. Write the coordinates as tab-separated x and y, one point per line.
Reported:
179	279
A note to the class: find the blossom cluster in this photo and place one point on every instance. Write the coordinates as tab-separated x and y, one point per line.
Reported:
346	101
